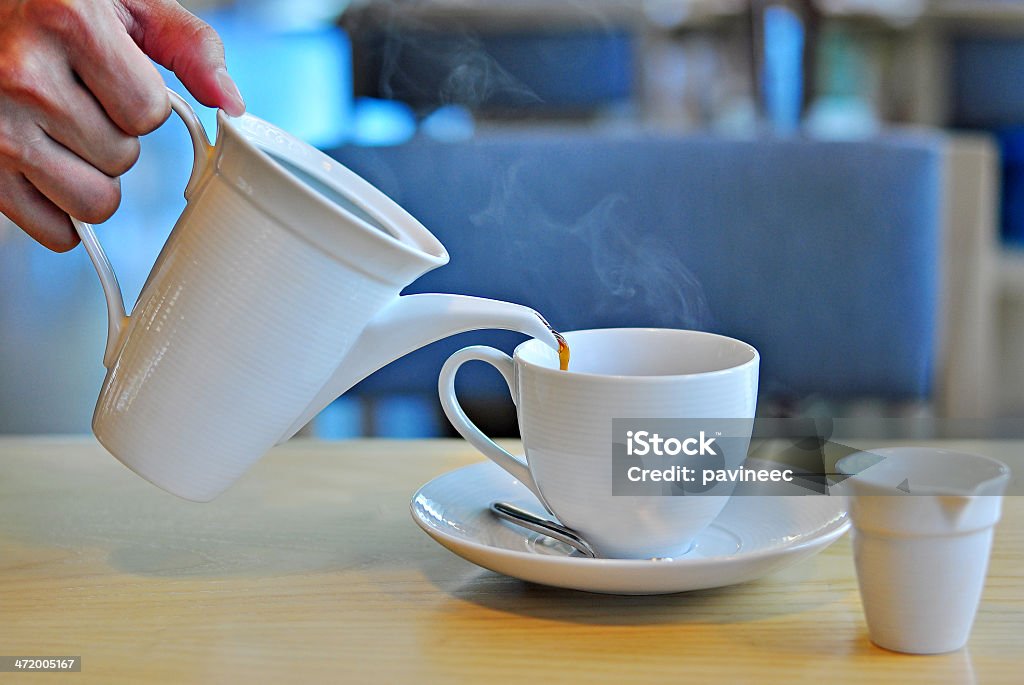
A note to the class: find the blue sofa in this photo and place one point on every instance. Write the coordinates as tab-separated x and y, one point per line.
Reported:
824	255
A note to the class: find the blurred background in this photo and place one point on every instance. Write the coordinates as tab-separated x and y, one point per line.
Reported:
838	182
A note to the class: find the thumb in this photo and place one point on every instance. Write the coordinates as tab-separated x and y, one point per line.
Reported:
177	39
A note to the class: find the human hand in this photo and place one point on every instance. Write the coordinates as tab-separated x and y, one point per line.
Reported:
77	88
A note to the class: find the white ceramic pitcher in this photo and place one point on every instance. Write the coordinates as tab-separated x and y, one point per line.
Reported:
277	290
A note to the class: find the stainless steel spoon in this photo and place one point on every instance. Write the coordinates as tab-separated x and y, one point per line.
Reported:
553	529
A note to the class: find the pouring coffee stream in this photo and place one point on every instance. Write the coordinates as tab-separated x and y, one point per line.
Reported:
563	351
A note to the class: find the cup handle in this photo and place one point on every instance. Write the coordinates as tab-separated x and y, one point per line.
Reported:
117	318
466	428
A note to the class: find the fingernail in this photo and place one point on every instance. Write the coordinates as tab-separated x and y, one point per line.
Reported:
234	106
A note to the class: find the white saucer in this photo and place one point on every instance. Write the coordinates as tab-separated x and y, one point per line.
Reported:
753	536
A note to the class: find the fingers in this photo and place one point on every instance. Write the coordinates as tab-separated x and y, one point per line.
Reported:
69	182
76	91
113	69
186	45
44	221
77	121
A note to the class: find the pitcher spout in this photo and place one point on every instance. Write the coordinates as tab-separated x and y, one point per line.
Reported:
413	321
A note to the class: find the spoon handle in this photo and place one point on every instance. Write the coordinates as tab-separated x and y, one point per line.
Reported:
537	524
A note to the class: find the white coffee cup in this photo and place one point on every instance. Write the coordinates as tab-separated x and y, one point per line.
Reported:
565	420
923	520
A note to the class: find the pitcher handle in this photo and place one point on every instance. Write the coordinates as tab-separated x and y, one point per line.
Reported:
117	317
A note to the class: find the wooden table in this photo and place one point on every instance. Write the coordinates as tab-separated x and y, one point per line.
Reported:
310	570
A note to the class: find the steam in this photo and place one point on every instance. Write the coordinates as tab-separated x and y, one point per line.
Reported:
635	271
474	77
447	44
471	76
